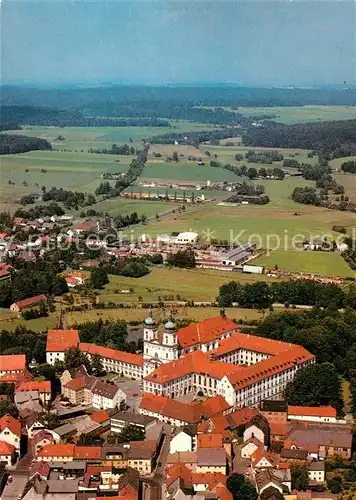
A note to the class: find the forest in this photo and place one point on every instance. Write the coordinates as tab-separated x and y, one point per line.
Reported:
13	144
335	137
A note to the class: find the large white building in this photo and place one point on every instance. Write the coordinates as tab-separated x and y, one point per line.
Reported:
158	349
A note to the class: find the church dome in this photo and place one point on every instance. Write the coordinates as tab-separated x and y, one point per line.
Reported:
150	321
170	325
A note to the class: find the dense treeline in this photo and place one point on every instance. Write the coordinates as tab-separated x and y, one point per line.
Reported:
39	211
294	292
13	144
69	198
263	156
195	138
124	100
349	167
125	149
29	280
9	126
24	341
336	137
349	255
31	115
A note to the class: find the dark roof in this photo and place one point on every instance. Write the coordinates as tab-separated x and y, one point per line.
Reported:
275	406
259	421
211	456
132	418
131	477
60	486
265	477
80	371
320	465
105	389
294	454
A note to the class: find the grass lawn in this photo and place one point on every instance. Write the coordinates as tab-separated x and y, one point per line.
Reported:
160	314
121	206
188	284
300	114
186	171
38	324
322	263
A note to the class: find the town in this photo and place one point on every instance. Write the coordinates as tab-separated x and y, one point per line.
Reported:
197	414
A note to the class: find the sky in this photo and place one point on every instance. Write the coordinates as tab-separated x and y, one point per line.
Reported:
286	42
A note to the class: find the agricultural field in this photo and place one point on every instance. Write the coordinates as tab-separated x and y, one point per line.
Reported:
122	206
301	114
169	284
185	171
321	263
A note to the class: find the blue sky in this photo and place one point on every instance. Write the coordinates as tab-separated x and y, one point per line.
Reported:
153	42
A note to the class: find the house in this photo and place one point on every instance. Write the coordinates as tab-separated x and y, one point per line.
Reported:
59	341
79	390
106	395
186	238
33	424
316	471
28	399
261	459
41	439
23	305
266	479
275	411
212	460
7	453
121	419
10	431
40	469
12	364
75	278
100	417
250	446
210	440
84	227
43	387
56	453
183	439
321	440
312	414
257	427
68	375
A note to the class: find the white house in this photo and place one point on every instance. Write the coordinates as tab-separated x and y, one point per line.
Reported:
186	238
250	446
313	414
106	395
316	471
183	439
58	342
10	431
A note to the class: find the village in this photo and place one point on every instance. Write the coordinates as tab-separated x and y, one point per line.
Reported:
198	406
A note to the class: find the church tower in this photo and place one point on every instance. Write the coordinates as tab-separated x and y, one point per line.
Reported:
170	340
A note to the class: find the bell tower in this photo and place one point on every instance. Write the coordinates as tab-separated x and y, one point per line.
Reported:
170	340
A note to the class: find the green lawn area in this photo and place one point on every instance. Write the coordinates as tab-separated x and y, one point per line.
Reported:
300	114
322	263
189	284
186	171
38	324
121	206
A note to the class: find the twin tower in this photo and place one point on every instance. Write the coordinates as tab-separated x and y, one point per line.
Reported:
158	348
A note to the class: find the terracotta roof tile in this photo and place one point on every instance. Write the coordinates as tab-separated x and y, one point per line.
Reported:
100	416
61	340
106	352
57	450
12	362
6	448
243	415
35	385
251	343
23	304
87	452
205	331
311	411
9	422
210	440
79	383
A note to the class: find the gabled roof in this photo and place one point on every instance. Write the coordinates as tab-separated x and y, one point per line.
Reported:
9	422
205	331
23	304
259	454
79	383
61	340
106	352
251	343
242	416
311	411
253	440
12	362
35	385
105	389
6	448
41	468
210	440
57	450
211	457
43	434
87	452
100	416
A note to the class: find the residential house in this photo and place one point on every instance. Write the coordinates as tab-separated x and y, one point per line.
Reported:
33	424
257	427
211	460
265	480
10	431
261	459
43	387
87	226
106	395
210	440
316	471
183	439
68	375
249	447
25	304
58	342
79	390
275	411
41	439
56	453
7	453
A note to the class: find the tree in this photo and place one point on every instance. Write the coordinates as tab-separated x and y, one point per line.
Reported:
182	258
175	156
316	385
300	478
97	366
99	277
74	357
131	433
334	484
241	488
9	407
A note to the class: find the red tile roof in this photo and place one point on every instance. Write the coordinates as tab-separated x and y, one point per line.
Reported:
57	450
278	428
185	412
210	441
195	362
209	478
6	448
251	343
79	383
268	367
9	422
178	470
23	304
106	352
243	415
311	411
85	452
205	331
12	362
100	416
260	453
61	340
35	385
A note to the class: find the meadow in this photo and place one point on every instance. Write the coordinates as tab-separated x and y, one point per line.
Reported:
320	263
301	114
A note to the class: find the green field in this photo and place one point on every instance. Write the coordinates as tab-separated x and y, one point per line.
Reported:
121	206
322	263
186	171
189	284
300	114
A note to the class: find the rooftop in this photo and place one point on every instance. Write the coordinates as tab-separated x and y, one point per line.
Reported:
205	331
35	385
9	422
12	362
211	457
311	411
61	340
210	440
106	352
23	304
